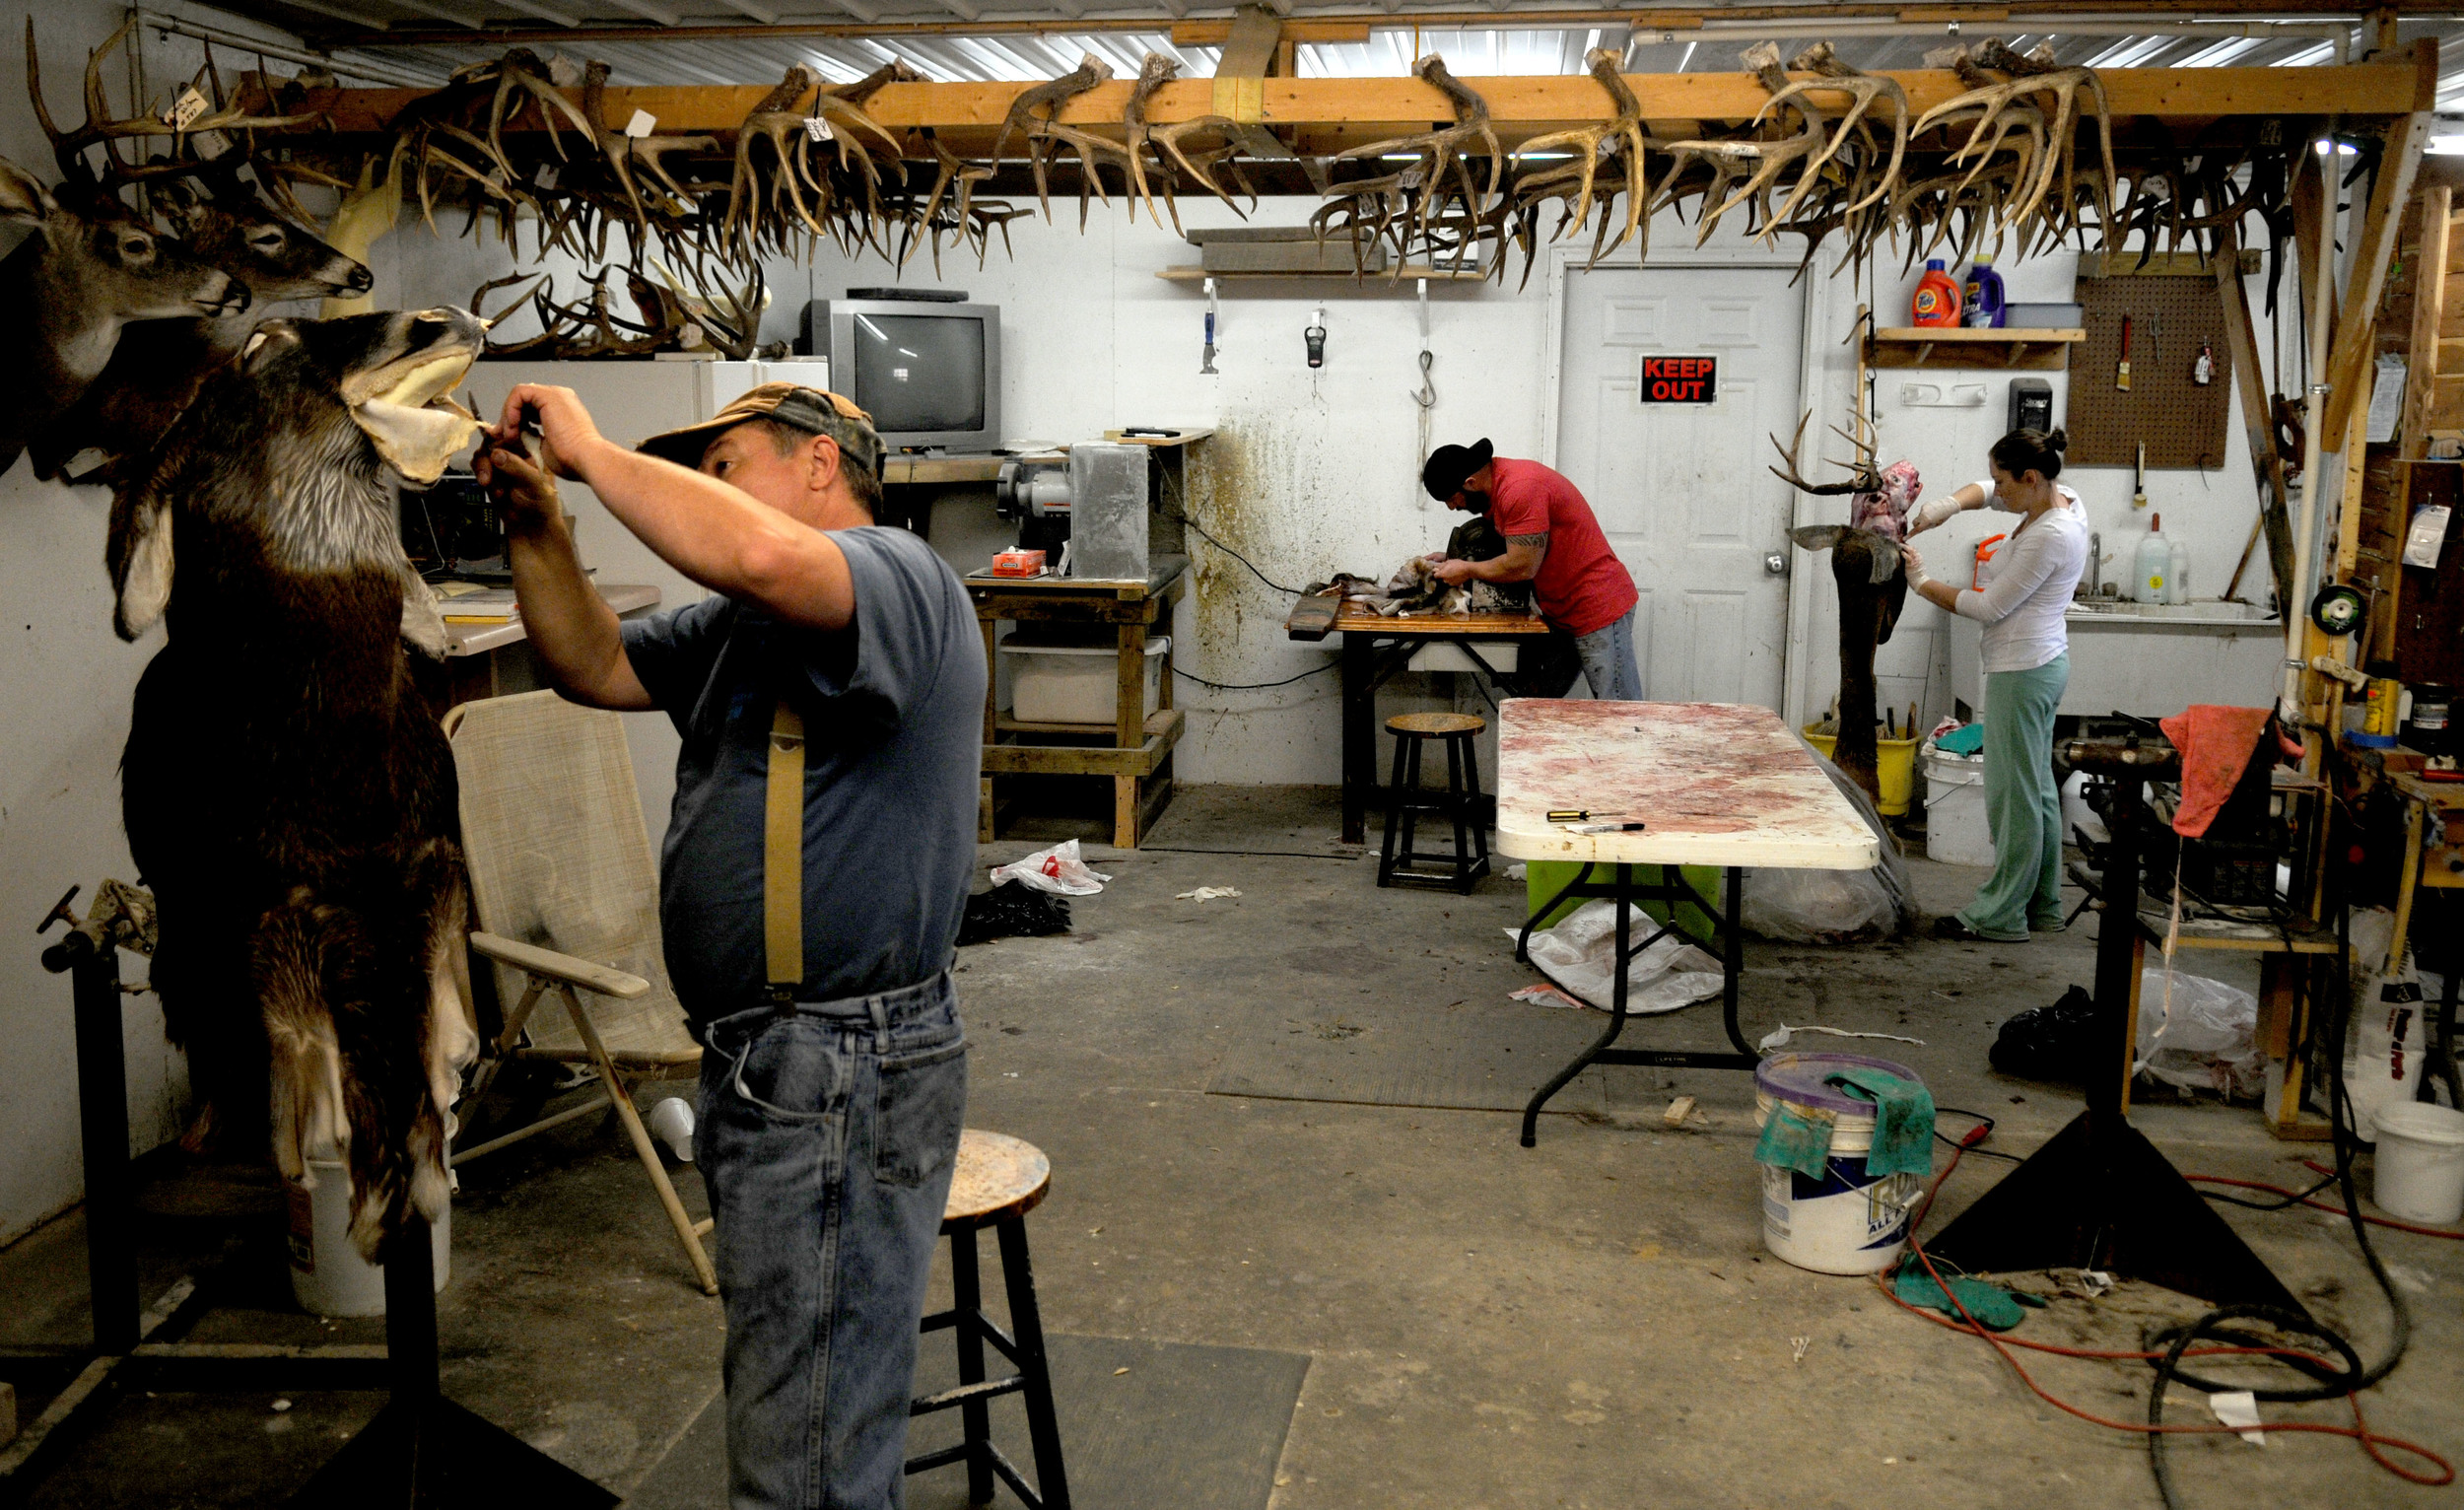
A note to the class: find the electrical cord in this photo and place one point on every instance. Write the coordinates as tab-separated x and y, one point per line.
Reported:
1252	686
1172	495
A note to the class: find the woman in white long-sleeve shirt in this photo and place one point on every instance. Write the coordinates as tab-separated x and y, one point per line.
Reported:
2028	664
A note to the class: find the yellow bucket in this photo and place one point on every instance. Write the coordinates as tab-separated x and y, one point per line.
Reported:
1895	763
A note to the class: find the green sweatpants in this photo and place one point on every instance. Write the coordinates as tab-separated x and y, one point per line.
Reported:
2022	805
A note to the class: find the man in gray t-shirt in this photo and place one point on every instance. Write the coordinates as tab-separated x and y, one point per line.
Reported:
830	1108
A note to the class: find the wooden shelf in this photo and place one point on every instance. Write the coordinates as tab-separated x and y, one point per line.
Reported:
1957	346
1161	719
1163	732
1402	279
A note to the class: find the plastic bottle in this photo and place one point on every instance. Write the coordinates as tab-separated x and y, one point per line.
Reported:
2177	574
2155	562
1937	296
1981	306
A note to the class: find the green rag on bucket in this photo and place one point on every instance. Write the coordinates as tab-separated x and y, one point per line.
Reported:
1796	1138
1990	1305
1904	1119
1966	739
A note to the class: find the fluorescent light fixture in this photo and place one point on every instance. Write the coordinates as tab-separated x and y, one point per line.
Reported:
2342	151
2446	146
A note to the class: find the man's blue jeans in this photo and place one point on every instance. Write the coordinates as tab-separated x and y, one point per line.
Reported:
827	1136
1609	660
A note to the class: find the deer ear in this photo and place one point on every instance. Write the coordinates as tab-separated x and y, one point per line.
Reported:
22	194
271	335
139	554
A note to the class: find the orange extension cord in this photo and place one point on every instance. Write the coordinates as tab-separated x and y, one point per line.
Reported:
2360	1430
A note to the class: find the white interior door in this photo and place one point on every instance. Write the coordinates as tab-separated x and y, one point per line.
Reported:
1683	491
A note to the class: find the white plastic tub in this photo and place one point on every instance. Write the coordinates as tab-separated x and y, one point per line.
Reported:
1076	683
2418	1168
328	1278
1956	830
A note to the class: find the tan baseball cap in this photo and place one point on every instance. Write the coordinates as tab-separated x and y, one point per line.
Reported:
814	410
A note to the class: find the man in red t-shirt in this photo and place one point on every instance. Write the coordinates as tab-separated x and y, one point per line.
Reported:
1553	543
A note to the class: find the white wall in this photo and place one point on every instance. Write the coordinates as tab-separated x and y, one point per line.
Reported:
65	681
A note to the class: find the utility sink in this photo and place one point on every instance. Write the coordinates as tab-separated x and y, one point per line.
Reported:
2152	659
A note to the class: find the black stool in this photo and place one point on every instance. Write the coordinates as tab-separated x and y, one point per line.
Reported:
999	1179
1462	802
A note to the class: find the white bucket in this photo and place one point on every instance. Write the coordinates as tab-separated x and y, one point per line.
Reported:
328	1278
1850	1221
1956	830
2420	1164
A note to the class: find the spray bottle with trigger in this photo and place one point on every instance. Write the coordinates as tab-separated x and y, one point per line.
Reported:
1206	363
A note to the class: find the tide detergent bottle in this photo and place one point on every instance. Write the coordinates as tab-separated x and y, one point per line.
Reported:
1937	296
1982	309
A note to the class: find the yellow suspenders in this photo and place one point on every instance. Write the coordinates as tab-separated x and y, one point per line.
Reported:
783	855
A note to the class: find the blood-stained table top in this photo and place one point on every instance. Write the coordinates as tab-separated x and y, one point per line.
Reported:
1716	783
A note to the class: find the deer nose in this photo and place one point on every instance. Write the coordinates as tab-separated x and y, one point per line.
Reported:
361	279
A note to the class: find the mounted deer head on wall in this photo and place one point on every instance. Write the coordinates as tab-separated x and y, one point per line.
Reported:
158	365
65	292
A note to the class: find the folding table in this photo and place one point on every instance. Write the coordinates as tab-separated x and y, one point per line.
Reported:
1713	783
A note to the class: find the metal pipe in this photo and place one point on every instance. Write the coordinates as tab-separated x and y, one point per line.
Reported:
379	73
2322	291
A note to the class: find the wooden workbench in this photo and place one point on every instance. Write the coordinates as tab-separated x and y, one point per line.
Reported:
1375	647
1137	750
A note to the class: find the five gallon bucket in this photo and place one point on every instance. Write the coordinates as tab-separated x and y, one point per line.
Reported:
1894	768
1956	830
1849	1221
328	1278
2420	1164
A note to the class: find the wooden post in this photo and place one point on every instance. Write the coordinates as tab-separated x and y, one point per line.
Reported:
2356	331
2241	344
2421	388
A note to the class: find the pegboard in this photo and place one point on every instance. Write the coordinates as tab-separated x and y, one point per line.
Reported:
2184	423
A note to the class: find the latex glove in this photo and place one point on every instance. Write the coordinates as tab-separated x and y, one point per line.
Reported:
1913	564
1928	516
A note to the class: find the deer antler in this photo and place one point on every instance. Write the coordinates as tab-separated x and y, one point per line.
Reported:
1864	476
1865	89
1988	101
99	129
1621	136
1050	97
1424	185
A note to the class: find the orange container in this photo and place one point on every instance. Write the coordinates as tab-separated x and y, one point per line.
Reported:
1985	550
1937	296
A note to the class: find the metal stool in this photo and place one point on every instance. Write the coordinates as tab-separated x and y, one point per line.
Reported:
999	1179
1461	803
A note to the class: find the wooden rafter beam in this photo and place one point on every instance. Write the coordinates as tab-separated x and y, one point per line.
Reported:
1521	104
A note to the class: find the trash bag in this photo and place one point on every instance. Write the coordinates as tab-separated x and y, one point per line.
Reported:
2209	1043
1580	954
1834	906
1057	869
1011	910
2056	1043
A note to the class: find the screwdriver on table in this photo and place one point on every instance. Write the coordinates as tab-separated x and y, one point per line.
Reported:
1578	815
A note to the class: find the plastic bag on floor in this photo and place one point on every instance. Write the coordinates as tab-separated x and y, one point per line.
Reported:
2382	1043
1057	869
1834	905
2208	1043
1580	954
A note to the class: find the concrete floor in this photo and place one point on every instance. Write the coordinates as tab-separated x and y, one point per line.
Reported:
1593	1322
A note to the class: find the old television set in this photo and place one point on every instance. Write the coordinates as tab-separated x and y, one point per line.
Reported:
928	370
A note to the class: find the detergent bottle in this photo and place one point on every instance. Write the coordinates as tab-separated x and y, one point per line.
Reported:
1981	306
1937	296
2177	574
2155	562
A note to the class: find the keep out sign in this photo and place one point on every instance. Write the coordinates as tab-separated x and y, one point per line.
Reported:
1679	380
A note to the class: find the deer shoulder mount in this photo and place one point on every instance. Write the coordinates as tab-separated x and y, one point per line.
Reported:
286	787
1872	588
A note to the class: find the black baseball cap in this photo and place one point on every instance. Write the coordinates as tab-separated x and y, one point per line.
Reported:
1444	472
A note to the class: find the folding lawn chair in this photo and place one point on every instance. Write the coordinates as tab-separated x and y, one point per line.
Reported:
567	900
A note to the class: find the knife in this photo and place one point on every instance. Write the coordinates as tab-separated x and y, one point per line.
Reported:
2121	369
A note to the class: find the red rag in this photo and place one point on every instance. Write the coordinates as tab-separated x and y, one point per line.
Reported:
2215	745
